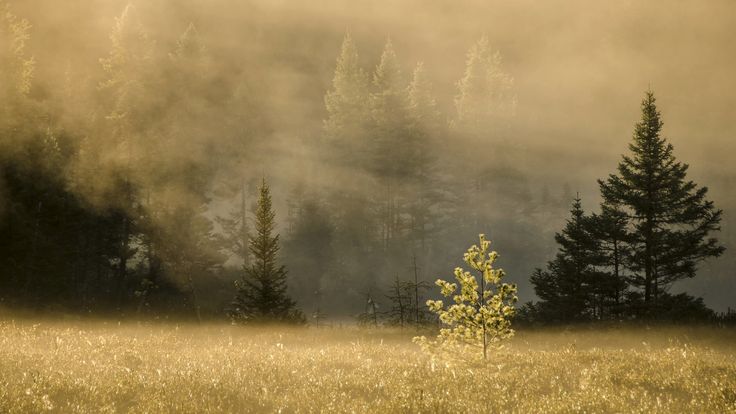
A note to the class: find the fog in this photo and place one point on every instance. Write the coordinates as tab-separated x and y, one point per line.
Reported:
578	71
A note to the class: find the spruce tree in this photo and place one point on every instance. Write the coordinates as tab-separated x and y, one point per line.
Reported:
566	287
346	148
424	129
610	229
124	128
485	107
671	218
262	294
485	99
390	148
346	104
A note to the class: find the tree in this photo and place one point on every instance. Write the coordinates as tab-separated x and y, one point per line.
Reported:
481	315
127	115
400	296
16	76
566	287
309	252
423	129
390	151
415	287
670	217
261	295
235	235
347	149
485	106
485	99
345	126
610	229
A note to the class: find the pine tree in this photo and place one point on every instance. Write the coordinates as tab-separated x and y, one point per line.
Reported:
566	287
670	217
124	88
610	229
390	151
346	104
423	130
485	106
485	99
16	76
483	308
262	294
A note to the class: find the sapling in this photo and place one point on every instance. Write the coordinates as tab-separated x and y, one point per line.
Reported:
481	314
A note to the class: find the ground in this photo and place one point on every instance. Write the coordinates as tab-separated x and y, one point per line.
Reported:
85	366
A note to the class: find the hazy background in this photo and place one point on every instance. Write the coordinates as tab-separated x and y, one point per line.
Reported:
579	70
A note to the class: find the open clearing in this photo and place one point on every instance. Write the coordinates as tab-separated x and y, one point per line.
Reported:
107	367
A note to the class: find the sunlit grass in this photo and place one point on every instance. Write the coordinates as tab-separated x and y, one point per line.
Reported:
106	367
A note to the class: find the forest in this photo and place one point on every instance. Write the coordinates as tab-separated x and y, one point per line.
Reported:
130	179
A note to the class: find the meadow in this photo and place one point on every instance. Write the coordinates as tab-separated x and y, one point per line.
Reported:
111	367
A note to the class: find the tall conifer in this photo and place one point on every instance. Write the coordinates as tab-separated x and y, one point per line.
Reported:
262	294
671	218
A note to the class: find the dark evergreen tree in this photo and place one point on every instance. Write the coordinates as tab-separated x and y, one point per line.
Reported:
566	287
262	293
610	228
125	126
671	218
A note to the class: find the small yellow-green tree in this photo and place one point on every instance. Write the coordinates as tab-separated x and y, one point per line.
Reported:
481	313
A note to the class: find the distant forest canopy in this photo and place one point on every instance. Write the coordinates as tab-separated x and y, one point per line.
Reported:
129	178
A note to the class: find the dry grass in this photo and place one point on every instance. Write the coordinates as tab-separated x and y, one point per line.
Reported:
98	367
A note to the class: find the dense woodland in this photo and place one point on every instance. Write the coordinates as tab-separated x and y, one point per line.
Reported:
134	194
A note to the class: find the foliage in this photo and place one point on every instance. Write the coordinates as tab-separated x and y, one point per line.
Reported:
481	315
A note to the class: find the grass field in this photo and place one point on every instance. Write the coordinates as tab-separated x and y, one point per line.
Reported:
107	367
